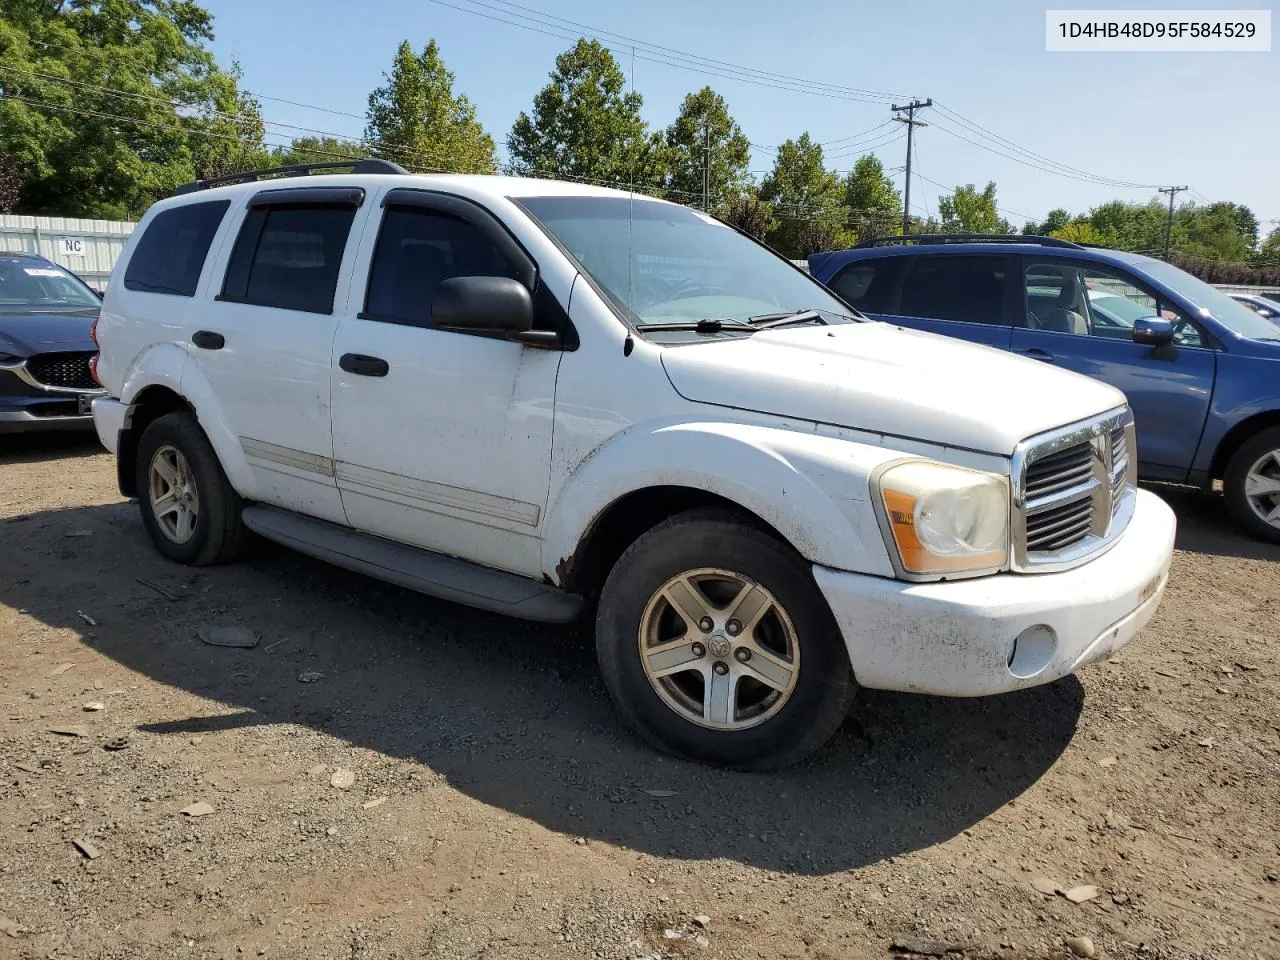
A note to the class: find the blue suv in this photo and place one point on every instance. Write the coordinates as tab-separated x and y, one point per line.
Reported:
1201	371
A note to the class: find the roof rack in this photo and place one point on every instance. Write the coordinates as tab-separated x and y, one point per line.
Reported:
295	170
926	238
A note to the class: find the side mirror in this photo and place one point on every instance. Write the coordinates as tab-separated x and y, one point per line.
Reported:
483	304
1153	331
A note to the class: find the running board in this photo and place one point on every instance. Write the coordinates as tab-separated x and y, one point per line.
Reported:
431	573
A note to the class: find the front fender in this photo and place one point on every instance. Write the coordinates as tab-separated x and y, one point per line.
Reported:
814	490
167	365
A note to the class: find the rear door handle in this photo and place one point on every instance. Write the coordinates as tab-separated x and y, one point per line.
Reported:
208	340
364	366
1036	353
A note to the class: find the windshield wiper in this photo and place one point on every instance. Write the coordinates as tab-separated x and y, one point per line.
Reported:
763	320
705	325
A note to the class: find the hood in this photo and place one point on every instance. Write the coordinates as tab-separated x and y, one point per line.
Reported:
882	379
25	332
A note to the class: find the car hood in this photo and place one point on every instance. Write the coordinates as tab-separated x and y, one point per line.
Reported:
25	332
883	379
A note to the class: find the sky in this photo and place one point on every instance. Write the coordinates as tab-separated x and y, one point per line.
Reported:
1205	120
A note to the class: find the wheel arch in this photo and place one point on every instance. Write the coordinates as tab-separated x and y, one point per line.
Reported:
148	405
1238	435
628	518
808	491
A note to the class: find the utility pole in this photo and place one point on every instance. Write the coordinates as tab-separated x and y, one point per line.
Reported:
706	165
1168	227
911	122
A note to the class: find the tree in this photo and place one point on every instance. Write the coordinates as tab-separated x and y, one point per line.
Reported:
750	214
1077	231
1269	252
1134	226
109	106
875	207
807	200
416	120
10	185
1215	231
319	150
704	130
968	211
1057	219
585	125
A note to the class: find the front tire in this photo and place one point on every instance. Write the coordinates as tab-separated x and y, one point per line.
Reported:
716	645
189	508
1252	485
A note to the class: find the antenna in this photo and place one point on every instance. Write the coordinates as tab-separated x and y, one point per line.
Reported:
631	211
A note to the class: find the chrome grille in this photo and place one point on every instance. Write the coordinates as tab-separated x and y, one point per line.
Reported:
1059	498
67	370
1074	490
1119	466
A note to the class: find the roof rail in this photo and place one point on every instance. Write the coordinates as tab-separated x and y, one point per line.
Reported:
295	170
926	238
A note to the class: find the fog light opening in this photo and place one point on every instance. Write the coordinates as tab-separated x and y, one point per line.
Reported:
1033	650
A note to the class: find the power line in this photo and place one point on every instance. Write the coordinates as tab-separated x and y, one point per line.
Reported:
856	136
666	56
1028	157
540	15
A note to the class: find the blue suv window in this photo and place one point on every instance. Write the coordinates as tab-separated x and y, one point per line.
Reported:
969	289
1091	301
868	284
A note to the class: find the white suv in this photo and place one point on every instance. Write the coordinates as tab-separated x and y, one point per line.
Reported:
545	398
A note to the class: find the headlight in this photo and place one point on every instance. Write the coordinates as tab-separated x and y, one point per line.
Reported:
942	519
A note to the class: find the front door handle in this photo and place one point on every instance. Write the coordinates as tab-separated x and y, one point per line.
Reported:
1035	353
208	340
364	366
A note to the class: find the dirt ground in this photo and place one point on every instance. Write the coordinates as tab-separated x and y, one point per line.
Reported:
499	809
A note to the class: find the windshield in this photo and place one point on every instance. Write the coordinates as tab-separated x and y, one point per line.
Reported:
684	265
38	283
1232	314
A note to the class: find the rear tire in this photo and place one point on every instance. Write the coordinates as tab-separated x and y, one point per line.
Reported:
755	693
188	506
1252	485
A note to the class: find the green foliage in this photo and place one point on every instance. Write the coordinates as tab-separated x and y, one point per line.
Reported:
808	201
750	214
1214	231
416	120
1057	219
1269	252
319	150
875	206
968	211
704	128
1077	231
1133	226
586	125
10	185
109	106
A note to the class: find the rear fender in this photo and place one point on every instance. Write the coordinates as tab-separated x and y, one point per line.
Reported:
167	365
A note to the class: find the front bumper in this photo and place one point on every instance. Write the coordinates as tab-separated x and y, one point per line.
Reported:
970	638
27	405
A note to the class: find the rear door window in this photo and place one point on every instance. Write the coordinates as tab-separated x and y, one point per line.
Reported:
289	257
171	253
969	289
868	284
